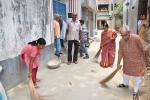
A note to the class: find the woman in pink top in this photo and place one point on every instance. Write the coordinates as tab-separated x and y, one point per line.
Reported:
30	55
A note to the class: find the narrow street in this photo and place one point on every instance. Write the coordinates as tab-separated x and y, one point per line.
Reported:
33	31
76	82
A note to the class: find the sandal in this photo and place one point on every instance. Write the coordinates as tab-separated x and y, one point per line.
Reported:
122	86
135	96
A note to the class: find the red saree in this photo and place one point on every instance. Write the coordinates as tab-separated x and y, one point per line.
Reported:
108	50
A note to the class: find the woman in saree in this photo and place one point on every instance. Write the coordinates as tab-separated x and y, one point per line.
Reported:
107	47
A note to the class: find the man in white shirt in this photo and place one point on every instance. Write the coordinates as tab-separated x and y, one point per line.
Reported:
73	30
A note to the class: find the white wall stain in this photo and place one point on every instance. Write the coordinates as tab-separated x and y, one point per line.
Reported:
22	21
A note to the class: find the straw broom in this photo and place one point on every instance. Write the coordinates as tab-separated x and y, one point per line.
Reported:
33	93
103	44
98	52
109	77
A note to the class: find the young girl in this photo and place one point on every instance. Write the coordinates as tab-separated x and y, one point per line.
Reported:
30	55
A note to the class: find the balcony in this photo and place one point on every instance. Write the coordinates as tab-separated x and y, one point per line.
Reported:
103	11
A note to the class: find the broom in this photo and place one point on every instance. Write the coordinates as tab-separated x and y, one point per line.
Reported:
103	44
98	52
33	93
109	77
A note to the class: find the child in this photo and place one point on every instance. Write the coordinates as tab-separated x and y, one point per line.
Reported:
30	55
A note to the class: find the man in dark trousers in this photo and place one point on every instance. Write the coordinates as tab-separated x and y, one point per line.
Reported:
73	30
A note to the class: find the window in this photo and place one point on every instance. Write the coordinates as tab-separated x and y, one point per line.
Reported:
103	7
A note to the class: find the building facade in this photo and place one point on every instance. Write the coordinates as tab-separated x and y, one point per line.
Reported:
85	9
105	10
88	10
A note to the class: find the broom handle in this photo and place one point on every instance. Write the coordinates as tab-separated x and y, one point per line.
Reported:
97	54
110	76
102	45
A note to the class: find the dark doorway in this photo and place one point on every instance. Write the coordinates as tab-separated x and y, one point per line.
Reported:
103	22
142	8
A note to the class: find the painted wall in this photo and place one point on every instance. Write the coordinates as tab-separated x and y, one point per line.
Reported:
132	15
22	21
59	8
92	4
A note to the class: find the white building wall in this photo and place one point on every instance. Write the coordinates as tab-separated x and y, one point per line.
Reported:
79	9
22	21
